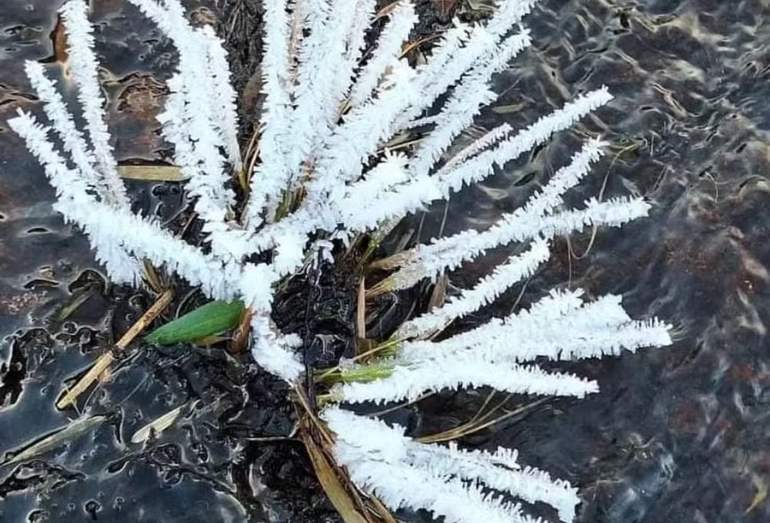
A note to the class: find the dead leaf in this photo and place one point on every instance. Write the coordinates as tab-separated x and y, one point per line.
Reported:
438	296
70	308
157	426
58	438
507	109
240	338
151	173
59	38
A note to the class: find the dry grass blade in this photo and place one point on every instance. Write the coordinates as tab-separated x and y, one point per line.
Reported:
361	310
391	262
386	285
385	11
50	442
481	6
240	339
106	359
59	39
761	494
343	494
151	173
69	309
94	373
382	510
479	423
157	426
333	487
250	160
362	344
438	296
151	277
416	44
208	341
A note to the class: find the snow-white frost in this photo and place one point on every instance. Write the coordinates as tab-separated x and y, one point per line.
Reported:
329	121
446	481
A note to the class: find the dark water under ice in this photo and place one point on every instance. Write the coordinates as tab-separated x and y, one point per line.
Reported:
677	435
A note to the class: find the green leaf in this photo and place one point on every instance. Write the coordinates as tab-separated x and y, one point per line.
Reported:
212	318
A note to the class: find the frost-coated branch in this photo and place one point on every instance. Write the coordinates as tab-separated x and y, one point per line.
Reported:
487	140
114	231
367	193
72	192
408	474
433	82
481	166
508	14
271	178
225	114
198	124
388	51
355	42
362	21
358	137
487	290
559	327
85	72
535	219
470	95
499	470
62	122
452	251
427	74
274	351
409	381
423	189
565	178
322	82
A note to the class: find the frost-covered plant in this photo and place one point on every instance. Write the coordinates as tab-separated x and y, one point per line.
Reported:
326	174
445	480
